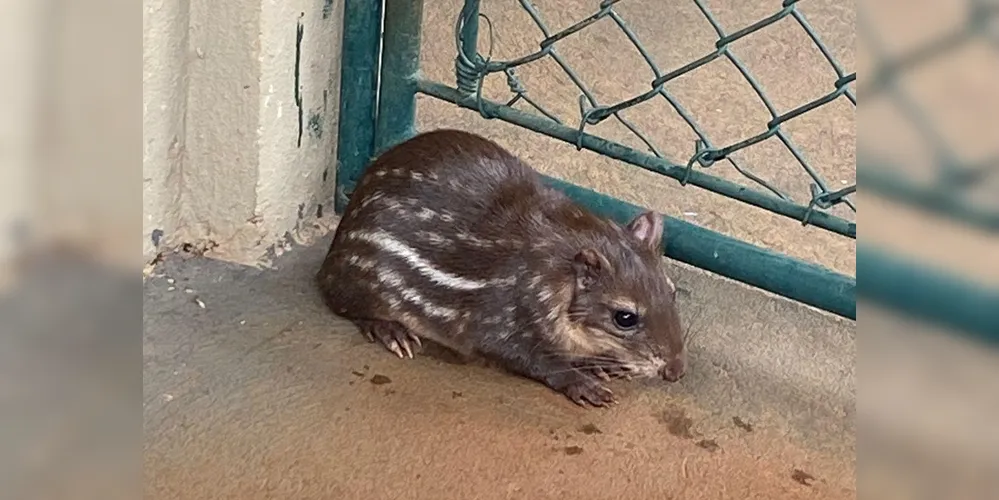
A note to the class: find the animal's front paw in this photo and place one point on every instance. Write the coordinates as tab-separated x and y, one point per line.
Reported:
395	337
588	390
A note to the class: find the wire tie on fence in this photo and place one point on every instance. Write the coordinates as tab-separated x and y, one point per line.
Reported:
584	114
825	199
808	213
697	158
705	153
516	87
690	166
464	68
480	102
513	82
481	69
846	80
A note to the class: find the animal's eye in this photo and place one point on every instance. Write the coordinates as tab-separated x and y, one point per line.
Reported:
625	320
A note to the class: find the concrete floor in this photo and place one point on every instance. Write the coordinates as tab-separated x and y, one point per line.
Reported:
263	393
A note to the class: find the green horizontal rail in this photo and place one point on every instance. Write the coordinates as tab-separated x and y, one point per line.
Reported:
928	294
689	243
624	153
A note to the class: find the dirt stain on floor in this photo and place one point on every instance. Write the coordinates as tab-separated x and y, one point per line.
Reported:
742	424
801	477
709	444
678	423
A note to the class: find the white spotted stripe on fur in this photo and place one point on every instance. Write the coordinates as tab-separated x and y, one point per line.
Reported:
395	281
390	244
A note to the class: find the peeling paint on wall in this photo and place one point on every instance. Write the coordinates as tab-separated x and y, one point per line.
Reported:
156	236
298	76
316	125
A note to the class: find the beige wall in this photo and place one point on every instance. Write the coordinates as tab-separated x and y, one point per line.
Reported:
17	121
227	161
68	137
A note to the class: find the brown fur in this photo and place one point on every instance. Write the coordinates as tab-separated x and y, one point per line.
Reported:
454	222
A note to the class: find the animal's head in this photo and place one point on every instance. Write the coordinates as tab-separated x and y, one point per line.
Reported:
623	309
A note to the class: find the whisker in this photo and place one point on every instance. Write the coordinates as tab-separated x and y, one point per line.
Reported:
574	368
601	365
571	356
690	332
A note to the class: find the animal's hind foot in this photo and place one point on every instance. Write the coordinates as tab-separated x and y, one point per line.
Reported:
391	334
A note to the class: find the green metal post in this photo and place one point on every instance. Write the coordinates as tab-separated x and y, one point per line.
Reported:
358	94
400	68
468	57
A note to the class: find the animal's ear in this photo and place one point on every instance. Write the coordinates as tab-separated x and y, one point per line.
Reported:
648	229
588	265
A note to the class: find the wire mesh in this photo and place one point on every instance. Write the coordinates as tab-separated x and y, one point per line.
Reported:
953	174
471	71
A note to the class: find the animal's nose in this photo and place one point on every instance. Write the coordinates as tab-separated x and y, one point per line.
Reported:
674	369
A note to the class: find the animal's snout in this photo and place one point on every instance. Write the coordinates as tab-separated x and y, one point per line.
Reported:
674	369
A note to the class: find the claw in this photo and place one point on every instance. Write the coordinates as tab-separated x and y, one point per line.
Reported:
393	346
416	339
405	347
602	375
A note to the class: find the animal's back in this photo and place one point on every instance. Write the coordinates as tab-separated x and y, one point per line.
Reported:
446	168
447	193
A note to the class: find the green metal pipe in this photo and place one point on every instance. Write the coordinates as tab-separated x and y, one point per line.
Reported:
358	94
928	294
792	278
400	67
630	155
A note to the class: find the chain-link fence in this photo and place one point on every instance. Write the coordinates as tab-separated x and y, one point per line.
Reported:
381	77
810	208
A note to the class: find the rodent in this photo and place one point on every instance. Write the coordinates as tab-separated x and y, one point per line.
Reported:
451	238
